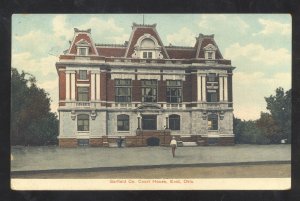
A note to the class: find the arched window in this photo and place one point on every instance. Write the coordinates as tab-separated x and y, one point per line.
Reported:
123	122
212	122
83	122
147	43
174	122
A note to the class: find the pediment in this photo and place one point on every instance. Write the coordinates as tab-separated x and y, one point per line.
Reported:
83	43
210	47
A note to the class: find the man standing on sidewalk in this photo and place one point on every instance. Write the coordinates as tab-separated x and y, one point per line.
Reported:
173	144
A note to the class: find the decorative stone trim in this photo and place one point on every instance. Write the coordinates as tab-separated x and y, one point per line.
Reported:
93	114
73	115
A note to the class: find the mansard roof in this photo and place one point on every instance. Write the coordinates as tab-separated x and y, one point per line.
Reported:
126	50
82	36
138	31
202	41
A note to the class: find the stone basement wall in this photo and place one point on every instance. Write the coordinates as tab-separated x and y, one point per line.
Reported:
140	140
68	142
222	141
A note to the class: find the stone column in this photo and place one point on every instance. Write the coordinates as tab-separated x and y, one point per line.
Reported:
167	121
203	90
198	88
73	85
98	86
92	86
221	88
225	89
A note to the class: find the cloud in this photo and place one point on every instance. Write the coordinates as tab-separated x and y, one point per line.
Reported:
60	27
25	61
249	90
274	27
183	37
227	23
258	54
100	26
120	39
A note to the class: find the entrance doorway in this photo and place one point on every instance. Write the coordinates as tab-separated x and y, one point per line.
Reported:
149	122
153	141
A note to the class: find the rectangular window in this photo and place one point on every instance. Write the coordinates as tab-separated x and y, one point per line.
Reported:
174	91
149	90
82	51
83	94
212	77
212	122
147	55
83	142
83	122
82	74
212	97
123	90
209	55
123	123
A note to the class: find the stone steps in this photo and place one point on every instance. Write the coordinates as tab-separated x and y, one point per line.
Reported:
189	144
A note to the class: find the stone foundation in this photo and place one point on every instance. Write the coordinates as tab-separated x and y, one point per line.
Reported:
142	139
68	142
96	142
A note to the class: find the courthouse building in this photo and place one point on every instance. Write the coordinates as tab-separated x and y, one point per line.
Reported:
144	92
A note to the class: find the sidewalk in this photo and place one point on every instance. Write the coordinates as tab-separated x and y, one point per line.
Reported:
55	158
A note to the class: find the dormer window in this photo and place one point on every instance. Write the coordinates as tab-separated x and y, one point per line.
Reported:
147	55
82	51
210	52
209	55
82	48
147	47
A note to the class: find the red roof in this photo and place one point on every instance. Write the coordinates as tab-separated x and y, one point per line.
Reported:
205	41
172	52
111	51
79	37
140	31
181	53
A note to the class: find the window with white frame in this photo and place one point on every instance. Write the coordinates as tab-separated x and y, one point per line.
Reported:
149	90
147	55
82	51
212	122
174	122
82	74
174	91
123	90
82	93
83	122
209	55
123	122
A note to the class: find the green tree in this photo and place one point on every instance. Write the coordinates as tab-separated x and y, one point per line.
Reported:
269	127
280	106
247	132
32	123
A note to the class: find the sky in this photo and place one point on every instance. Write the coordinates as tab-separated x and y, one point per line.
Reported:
259	46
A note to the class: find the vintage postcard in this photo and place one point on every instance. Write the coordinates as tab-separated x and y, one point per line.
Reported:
151	102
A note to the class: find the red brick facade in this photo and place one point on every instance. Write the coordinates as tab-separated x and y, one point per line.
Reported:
132	60
62	85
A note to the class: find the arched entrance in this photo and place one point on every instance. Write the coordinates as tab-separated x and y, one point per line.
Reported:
153	141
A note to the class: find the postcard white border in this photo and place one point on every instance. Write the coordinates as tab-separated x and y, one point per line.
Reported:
153	184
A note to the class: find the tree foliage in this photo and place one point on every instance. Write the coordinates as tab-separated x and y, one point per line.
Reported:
280	107
271	127
32	123
247	132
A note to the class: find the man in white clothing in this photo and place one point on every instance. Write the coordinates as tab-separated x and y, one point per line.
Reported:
173	144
